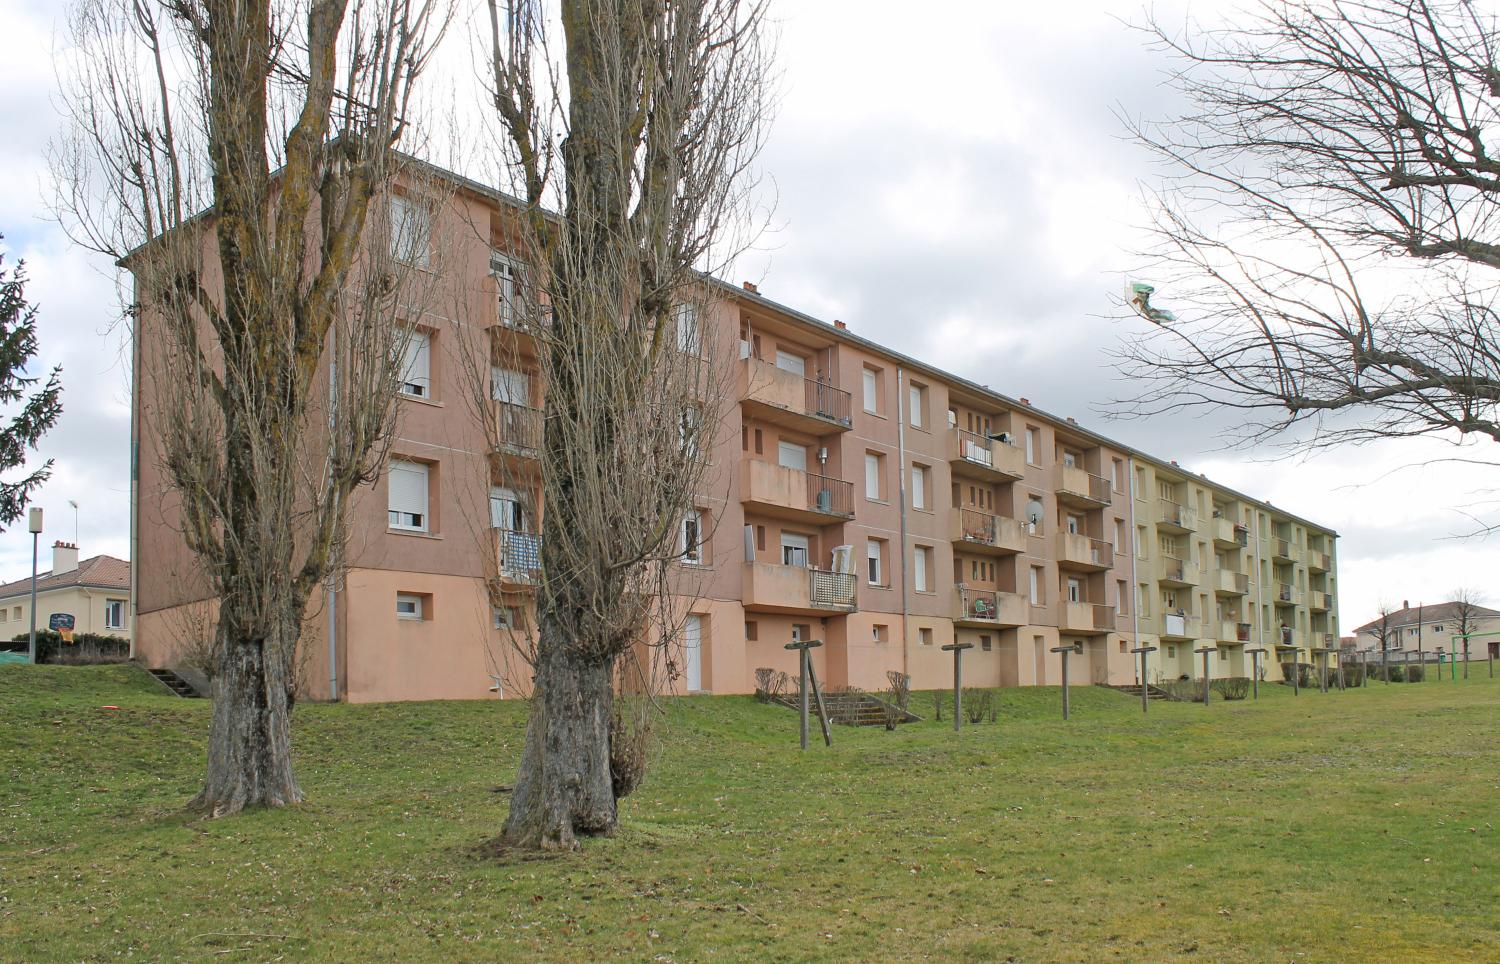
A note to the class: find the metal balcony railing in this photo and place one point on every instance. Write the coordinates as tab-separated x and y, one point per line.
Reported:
977	526
826	401
973	447
1284	592
1100	489
1242	632
978	604
833	496
1176	514
518	426
830	590
520	554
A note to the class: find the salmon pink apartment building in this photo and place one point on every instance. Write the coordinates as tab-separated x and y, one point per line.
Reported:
855	496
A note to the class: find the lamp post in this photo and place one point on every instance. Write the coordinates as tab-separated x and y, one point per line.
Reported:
34	523
1145	694
74	504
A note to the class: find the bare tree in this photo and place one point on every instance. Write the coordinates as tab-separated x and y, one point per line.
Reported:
1386	636
639	131
1326	235
1466	611
229	153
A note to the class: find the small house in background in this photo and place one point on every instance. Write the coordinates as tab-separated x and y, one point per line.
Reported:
95	592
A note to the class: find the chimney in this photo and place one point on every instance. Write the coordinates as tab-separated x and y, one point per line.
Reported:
1072	420
1025	400
840	325
751	287
64	557
1405	604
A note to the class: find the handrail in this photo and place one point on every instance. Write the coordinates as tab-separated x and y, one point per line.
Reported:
830	495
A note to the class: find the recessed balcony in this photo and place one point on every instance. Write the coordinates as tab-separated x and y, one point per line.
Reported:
1176	518
982	608
1234	632
1319	561
788	493
1076	487
973	531
1288	595
517	439
1078	552
1229	534
1085	619
768	587
785	398
980	457
1231	583
1319	600
1284	551
1176	572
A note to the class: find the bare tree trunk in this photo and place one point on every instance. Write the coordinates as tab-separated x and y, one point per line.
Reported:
563	786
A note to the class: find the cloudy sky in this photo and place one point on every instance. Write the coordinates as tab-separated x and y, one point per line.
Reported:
954	184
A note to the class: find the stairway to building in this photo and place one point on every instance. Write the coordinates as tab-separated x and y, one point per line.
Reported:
175	683
849	707
1133	690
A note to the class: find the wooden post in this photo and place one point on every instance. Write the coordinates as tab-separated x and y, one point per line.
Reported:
1255	655
957	649
1064	651
1296	669
1204	651
812	674
805	673
1145	696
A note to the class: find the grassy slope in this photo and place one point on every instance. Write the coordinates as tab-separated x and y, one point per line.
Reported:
1316	828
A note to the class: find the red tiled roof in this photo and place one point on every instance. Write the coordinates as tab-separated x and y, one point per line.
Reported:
105	572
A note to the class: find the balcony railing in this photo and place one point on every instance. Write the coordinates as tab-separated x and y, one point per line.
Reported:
977	526
1077	549
830	590
520	554
1284	549
1177	515
518	427
831	496
1104	616
1180	625
976	454
1285	592
975	448
1076	483
1319	560
1235	582
826	401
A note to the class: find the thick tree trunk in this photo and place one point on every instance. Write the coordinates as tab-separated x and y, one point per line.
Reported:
250	738
563	786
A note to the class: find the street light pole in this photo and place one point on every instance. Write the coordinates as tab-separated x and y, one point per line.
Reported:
34	523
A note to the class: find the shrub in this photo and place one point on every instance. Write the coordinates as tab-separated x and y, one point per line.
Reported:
937	705
979	703
631	735
1396	674
897	697
1354	674
765	677
1232	687
86	648
1414	674
1182	690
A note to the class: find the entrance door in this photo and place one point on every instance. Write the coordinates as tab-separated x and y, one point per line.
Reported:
692	652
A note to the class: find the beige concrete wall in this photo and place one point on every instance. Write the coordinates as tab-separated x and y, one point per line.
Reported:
86	606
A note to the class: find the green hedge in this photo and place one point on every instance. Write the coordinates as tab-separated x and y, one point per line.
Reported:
85	648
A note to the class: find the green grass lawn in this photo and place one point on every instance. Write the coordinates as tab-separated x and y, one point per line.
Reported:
1345	826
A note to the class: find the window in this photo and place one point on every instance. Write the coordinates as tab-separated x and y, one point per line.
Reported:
1070	459
1119	535
689	333
406	500
508	617
871	381
875	562
114	614
1171	652
922	568
1119	475
507	287
506	511
1033	444
692	538
791	455
788	362
1122	598
794	550
408	606
924	636
1075	524
688	422
411	228
1036	586
4	614
1034	512
510	387
1437	629
917	402
874	474
880	633
416	365
919	477
1075	590
985	643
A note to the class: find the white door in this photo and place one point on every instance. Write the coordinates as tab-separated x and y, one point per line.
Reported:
692	652
1075	591
792	456
788	362
794	550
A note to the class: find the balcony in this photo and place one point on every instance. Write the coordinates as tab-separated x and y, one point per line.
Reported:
1284	551
975	531
1076	487
517	439
1317	599
983	608
1085	619
1079	552
1319	561
787	399
1176	572
767	587
1229	534
1180	626
980	457
1231	583
1288	595
794	494
1233	632
519	555
1176	518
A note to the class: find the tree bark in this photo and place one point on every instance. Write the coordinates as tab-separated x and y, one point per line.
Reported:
250	738
563	786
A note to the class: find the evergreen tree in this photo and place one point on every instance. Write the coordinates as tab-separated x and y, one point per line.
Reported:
40	410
